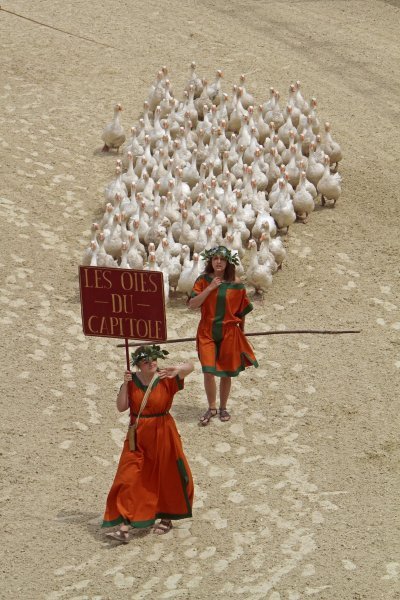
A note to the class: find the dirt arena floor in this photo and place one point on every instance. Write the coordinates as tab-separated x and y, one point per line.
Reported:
298	496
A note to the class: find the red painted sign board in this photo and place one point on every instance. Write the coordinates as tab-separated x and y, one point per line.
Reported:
123	303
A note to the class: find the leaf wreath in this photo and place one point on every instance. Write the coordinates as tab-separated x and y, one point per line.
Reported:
147	353
231	257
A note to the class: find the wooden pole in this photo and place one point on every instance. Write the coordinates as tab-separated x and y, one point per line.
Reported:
253	333
128	366
57	29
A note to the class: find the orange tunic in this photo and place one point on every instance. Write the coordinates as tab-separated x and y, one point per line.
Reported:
155	481
222	347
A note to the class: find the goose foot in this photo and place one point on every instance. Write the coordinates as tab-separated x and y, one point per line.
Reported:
105	148
323	202
258	296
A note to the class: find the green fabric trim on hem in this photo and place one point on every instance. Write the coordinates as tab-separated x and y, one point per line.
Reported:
144	524
184	480
245	311
242	367
174	517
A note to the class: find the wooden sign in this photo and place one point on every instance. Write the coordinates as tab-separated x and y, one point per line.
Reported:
122	303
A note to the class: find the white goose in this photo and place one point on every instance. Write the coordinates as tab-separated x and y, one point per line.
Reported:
201	240
214	89
332	148
329	184
188	236
130	176
103	258
107	218
283	212
133	147
246	98
296	112
113	134
259	276
315	169
171	265
135	242
135	259
174	247
189	275
112	240
292	170
90	255
116	186
278	250
124	263
303	202
259	225
265	256
195	81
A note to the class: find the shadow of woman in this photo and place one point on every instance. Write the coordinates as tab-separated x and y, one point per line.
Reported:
92	522
185	413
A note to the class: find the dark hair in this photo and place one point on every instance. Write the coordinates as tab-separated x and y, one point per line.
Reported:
229	273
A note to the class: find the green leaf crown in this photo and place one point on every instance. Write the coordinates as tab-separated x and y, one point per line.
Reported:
224	252
147	353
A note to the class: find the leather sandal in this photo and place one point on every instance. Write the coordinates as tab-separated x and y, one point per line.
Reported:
224	415
208	415
119	535
162	527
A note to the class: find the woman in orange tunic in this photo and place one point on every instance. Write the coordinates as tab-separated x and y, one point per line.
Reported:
221	344
154	481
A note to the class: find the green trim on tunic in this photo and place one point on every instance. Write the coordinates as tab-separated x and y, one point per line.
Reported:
185	480
141	385
231	285
218	320
242	367
143	524
245	311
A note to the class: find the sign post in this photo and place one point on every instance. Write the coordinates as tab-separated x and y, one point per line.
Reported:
123	303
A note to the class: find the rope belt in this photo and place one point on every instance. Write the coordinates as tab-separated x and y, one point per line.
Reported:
150	416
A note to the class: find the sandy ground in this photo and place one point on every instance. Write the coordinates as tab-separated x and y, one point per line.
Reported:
297	497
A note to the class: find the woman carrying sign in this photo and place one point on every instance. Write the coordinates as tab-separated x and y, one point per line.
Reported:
153	479
221	344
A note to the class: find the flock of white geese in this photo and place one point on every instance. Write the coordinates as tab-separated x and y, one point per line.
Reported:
212	169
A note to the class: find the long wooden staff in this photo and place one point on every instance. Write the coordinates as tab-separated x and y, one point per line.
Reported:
253	333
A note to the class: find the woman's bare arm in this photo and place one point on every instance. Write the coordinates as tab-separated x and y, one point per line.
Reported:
122	398
181	370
